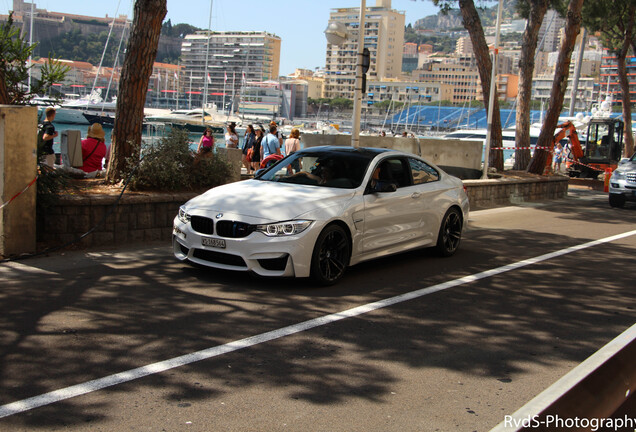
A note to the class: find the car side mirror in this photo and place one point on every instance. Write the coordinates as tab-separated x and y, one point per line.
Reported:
623	161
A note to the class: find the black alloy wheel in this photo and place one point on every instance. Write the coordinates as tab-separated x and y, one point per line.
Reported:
616	200
331	255
450	233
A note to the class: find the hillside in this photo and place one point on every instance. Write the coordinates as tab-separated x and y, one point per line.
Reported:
453	20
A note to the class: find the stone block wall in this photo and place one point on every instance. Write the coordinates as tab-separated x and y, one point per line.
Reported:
490	193
135	218
148	217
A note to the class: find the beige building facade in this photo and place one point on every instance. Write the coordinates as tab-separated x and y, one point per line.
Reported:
383	36
232	57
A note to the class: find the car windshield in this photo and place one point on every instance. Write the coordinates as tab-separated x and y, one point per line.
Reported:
325	168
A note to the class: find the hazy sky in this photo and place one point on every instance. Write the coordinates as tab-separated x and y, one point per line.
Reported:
299	24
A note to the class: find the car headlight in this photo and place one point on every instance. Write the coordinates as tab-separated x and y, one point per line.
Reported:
183	215
286	228
618	175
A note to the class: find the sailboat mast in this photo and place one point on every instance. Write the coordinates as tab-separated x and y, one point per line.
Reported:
101	61
205	78
30	45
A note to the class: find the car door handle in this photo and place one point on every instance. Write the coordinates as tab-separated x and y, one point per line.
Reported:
415	195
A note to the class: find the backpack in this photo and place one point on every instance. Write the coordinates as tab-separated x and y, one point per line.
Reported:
40	145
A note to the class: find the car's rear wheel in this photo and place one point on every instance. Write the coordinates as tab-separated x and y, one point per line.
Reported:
450	233
331	255
616	200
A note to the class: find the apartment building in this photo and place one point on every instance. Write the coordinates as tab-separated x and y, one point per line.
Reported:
550	31
80	78
462	76
609	82
383	36
542	86
233	58
407	92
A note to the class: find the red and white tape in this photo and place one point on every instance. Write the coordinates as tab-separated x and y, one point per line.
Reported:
520	148
19	193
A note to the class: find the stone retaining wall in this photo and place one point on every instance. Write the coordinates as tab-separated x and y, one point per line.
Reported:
148	217
136	218
484	194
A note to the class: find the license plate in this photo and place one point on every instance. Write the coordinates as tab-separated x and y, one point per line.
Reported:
213	242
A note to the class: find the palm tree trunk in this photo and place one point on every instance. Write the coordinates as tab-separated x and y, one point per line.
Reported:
133	85
538	9
542	157
4	94
472	23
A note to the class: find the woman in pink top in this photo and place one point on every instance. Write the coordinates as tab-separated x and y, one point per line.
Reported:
93	148
206	143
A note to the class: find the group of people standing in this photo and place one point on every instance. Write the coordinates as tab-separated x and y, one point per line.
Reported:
258	144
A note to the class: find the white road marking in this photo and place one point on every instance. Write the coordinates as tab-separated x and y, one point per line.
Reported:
162	366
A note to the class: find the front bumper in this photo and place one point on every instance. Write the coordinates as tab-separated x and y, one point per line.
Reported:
266	256
626	188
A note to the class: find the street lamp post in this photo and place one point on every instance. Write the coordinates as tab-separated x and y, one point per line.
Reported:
337	34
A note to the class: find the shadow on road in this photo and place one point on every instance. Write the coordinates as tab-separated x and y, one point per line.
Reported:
108	314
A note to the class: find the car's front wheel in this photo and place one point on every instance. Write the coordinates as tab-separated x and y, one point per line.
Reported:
450	233
616	200
331	255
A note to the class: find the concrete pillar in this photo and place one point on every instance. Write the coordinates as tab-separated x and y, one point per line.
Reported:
18	156
235	158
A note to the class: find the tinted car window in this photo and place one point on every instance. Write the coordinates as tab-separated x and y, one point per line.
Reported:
394	170
325	168
422	172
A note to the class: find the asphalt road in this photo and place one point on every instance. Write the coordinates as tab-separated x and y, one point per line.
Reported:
457	357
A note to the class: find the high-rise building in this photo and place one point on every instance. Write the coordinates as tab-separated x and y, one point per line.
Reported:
233	57
383	36
609	82
550	31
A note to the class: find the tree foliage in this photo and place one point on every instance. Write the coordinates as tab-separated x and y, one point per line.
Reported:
617	35
445	44
338	104
177	30
14	68
77	46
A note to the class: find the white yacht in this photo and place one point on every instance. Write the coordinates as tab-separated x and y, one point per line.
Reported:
195	120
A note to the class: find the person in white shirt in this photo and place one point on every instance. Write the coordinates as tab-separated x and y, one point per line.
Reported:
231	138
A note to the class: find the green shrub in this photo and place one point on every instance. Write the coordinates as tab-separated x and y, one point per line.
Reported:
170	165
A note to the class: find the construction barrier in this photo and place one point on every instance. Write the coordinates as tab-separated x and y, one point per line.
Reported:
19	193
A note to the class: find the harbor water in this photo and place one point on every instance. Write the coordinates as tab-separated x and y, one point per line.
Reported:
219	139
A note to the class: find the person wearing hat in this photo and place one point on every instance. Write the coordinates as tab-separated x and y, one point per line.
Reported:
94	148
